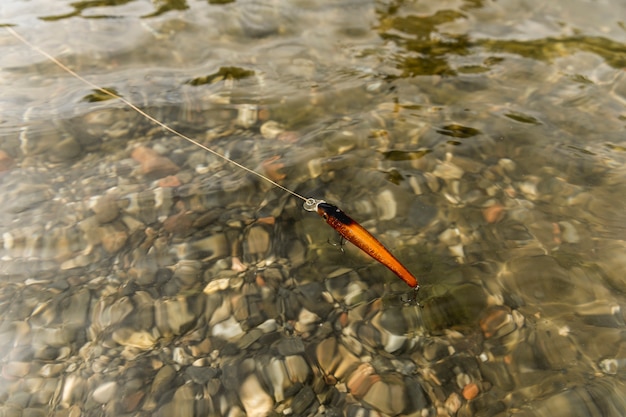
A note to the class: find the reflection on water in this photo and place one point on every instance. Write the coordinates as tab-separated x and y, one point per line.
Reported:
482	142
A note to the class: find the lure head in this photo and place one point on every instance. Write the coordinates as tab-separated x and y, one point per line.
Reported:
332	214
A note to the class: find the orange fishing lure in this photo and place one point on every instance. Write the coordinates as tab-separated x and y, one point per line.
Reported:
360	237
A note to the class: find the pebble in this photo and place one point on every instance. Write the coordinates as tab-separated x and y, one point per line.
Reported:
113	238
133	338
256	402
106	208
497	321
271	129
256	244
493	213
470	391
6	162
153	164
448	171
227	329
387	395
105	392
173	316
247	115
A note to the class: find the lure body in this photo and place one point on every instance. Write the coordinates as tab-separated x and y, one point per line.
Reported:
360	237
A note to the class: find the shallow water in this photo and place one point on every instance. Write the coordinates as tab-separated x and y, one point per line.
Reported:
481	141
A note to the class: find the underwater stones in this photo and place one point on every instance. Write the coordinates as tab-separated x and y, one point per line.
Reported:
160	384
247	115
493	212
307	321
387	395
206	249
447	170
26	196
172	316
334	359
113	237
6	161
105	208
497	321
188	272
227	329
271	129
303	401
75	308
256	244
277	375
611	257
108	312
284	376
585	400
65	150
105	392
180	224
139	339
153	164
254	399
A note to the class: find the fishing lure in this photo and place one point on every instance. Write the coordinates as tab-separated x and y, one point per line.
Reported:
337	219
360	237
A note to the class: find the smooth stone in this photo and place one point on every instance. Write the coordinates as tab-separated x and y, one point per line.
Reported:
105	392
64	150
255	400
256	243
113	238
212	247
278	378
448	171
227	329
303	400
76	309
173	315
297	368
105	209
271	129
387	395
153	164
289	346
16	369
6	161
133	338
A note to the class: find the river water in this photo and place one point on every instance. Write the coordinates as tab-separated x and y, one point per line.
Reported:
482	142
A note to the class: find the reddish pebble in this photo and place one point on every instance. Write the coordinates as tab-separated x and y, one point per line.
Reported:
237	265
556	233
362	380
344	320
494	319
169	181
470	391
494	213
264	114
288	136
6	162
272	168
179	224
267	220
152	163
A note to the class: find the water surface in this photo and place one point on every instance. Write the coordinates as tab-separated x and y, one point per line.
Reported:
483	142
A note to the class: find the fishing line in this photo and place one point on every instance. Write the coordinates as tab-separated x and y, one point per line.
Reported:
146	115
